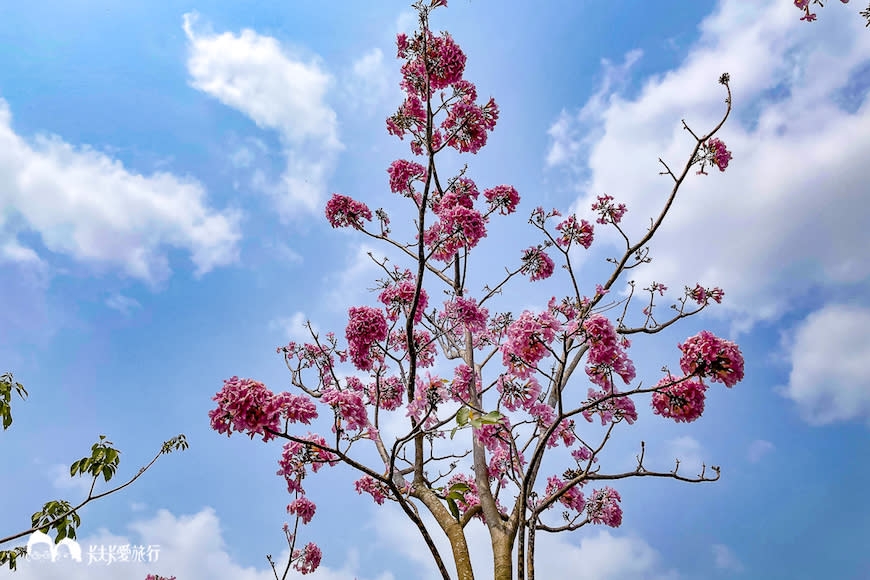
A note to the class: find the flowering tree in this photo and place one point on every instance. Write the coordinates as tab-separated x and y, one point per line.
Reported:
512	415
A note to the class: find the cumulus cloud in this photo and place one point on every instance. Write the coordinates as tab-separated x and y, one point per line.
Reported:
770	228
368	81
187	546
88	206
829	351
278	91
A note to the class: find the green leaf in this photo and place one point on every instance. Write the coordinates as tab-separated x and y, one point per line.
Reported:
453	508
453	432
462	416
459	486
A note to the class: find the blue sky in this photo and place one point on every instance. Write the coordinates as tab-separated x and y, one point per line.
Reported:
163	173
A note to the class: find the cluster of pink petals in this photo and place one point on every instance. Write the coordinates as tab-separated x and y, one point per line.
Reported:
708	356
503	198
458	227
804	5
460	388
607	211
157	577
466	314
348	406
603	507
680	402
313	356
402	173
467	125
583	454
494	436
605	353
387	393
365	328
296	456
702	295
721	156
470	498
429	392
537	263
527	339
462	192
398	341
372	487
246	405
302	507
518	394
398	298
544	413
613	409
571	499
342	211
565	432
308	559
504	463
446	63
572	232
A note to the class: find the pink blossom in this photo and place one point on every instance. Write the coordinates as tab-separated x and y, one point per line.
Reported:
565	432
544	413
494	436
603	507
571	232
605	354
701	295
398	298
460	388
459	227
706	355
402	173
302	507
516	394
398	341
527	340
583	454
537	263
613	409
504	198
308	559
387	393
342	211
295	456
571	499
372	487
467	314
680	402
466	125
608	212
349	406
365	328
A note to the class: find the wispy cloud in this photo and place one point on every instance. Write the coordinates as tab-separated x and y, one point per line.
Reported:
725	558
758	449
123	304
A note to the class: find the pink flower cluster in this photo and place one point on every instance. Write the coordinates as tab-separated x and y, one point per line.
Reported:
706	355
603	507
571	499
156	577
296	456
702	295
570	232
607	211
387	393
312	355
428	394
459	225
613	409
537	263
503	198
466	314
605	354
715	154
372	487
681	402
398	341
517	394
805	6
342	211
348	405
308	559
565	432
366	327
543	413
302	507
470	498
460	388
246	405
402	174
504	463
398	298
527	342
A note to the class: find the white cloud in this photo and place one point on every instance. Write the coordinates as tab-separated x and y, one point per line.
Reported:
758	449
725	558
190	547
293	327
86	205
368	81
123	304
259	77
689	452
771	228
829	351
60	479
